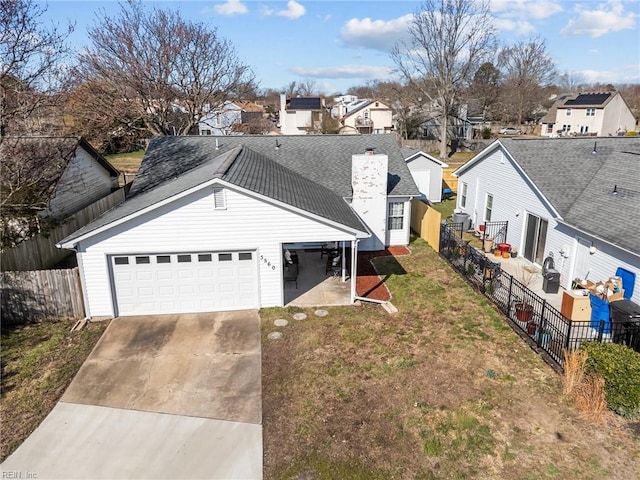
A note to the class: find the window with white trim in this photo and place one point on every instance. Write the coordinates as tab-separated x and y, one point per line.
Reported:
219	199
568	112
591	112
488	208
463	195
395	219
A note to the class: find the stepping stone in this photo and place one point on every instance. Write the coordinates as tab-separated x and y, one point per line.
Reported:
281	322
300	316
274	335
321	313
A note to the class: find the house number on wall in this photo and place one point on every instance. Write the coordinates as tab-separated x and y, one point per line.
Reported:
264	260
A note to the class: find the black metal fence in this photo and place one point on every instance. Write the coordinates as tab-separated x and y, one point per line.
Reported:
529	314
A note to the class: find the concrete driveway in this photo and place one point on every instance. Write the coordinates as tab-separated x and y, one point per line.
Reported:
173	396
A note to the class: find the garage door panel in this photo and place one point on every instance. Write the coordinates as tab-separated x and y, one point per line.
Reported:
185	283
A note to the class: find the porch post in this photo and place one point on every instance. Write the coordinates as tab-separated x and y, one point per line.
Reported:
354	268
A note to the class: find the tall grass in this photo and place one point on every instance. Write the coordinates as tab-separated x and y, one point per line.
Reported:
586	391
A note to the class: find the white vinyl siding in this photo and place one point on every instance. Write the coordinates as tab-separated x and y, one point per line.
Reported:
514	199
84	181
190	225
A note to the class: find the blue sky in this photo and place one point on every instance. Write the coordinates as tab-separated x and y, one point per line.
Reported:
339	44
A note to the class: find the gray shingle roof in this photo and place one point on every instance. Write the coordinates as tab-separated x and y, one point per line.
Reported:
323	159
312	173
578	182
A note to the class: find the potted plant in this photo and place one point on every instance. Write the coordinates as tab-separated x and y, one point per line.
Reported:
488	245
543	337
524	311
471	269
514	252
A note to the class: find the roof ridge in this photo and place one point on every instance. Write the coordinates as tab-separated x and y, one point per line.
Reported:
232	155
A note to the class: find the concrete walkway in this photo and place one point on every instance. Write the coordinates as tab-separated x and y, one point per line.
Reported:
176	396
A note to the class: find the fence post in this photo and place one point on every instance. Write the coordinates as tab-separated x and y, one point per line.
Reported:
600	330
568	335
509	299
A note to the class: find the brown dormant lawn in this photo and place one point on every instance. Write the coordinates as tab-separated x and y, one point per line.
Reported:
442	389
38	363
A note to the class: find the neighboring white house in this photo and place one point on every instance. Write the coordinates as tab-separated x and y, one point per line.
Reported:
65	174
207	219
427	173
364	116
231	114
300	115
577	199
594	114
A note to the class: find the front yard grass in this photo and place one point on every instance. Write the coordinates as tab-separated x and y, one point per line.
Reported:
38	363
442	389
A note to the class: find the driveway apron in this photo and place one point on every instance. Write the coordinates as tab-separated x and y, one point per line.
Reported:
172	396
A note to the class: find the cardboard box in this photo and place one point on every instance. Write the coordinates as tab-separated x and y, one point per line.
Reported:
616	296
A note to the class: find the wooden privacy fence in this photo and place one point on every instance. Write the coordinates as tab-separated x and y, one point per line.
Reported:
425	221
26	297
40	252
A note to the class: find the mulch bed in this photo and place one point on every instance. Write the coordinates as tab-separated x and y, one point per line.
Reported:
368	283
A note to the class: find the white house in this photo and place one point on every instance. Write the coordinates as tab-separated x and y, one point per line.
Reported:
577	199
426	172
595	114
65	174
231	114
365	116
300	115
207	219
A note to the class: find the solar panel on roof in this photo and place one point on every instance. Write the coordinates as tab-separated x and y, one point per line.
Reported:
588	99
305	104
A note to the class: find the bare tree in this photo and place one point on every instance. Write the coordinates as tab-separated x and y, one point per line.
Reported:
32	64
449	40
528	69
168	70
571	82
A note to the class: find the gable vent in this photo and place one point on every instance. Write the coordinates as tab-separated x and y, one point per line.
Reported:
219	200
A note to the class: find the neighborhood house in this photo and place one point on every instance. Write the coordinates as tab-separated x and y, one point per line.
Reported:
209	220
576	200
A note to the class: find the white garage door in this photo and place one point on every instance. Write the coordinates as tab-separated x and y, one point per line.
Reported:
185	282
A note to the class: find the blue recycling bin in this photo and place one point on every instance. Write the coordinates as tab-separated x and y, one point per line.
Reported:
599	312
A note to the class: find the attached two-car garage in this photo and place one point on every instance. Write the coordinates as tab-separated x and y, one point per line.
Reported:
146	284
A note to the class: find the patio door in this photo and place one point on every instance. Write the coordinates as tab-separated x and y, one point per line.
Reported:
535	238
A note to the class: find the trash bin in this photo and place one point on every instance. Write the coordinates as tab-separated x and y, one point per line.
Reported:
551	281
625	323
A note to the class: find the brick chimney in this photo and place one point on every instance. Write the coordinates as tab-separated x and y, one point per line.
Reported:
369	183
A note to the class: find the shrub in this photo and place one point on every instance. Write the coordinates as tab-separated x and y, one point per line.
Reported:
620	368
486	133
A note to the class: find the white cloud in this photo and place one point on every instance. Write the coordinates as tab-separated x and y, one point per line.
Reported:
294	10
376	34
520	27
608	18
627	74
266	11
525	9
231	7
344	71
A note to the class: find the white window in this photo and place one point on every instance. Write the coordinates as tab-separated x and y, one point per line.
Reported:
488	208
566	128
219	200
550	128
217	122
396	216
591	112
568	112
205	132
463	195
584	129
